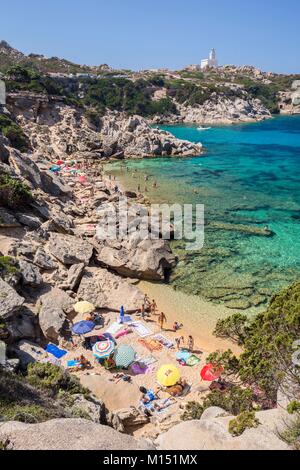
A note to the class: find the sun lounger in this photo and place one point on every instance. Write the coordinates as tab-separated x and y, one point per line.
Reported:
141	329
164	341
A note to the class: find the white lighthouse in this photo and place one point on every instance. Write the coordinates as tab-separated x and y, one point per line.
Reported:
211	61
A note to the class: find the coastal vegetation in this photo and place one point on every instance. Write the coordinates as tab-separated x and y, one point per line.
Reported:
13	192
267	341
44	392
243	421
14	133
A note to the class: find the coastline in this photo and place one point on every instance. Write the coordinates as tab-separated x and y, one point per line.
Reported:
198	316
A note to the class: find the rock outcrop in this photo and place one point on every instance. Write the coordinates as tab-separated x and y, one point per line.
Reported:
55	306
109	291
211	433
68	434
10	300
143	259
69	250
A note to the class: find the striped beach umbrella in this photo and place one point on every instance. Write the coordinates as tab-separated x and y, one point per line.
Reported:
103	349
124	356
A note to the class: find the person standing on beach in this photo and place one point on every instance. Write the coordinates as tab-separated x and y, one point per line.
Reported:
191	343
178	342
153	307
161	320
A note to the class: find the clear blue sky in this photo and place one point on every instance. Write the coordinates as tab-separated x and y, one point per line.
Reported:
157	33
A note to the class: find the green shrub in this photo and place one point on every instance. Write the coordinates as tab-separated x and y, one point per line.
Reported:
193	410
7	266
291	435
14	133
13	192
293	407
267	341
243	421
24	413
235	401
54	379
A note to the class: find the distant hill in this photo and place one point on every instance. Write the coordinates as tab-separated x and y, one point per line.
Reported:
10	56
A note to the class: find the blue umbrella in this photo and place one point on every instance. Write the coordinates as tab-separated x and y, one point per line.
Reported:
122	314
83	327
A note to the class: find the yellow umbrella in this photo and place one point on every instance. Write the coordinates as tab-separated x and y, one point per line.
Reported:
84	307
168	375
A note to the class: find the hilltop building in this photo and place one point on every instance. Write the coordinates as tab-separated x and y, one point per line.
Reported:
211	61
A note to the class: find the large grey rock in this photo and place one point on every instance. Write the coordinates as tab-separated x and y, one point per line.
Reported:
23	325
55	306
43	260
109	291
142	259
68	434
211	433
75	274
28	353
7	219
70	250
31	275
60	222
130	417
29	220
93	407
10	300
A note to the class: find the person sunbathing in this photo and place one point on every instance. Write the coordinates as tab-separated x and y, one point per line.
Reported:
177	389
148	395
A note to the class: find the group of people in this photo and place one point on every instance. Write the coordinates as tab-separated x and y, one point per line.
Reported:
149	308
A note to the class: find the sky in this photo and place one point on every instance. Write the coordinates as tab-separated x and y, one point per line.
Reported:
141	34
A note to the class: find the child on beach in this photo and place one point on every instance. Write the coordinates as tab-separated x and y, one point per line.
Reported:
153	307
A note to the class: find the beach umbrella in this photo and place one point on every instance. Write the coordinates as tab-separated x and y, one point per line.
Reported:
103	349
122	314
124	356
211	372
83	327
168	375
84	307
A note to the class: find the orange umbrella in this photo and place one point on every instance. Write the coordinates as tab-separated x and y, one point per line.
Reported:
211	372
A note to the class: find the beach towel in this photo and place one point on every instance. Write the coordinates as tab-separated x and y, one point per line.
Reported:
164	341
127	319
114	328
55	351
73	363
151	344
148	361
123	333
138	369
193	360
141	329
183	355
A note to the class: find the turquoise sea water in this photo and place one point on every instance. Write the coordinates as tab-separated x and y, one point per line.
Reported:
250	175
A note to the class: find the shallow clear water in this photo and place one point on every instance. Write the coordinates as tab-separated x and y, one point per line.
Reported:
249	175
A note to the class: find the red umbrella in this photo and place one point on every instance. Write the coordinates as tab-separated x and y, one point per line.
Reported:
211	372
59	162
